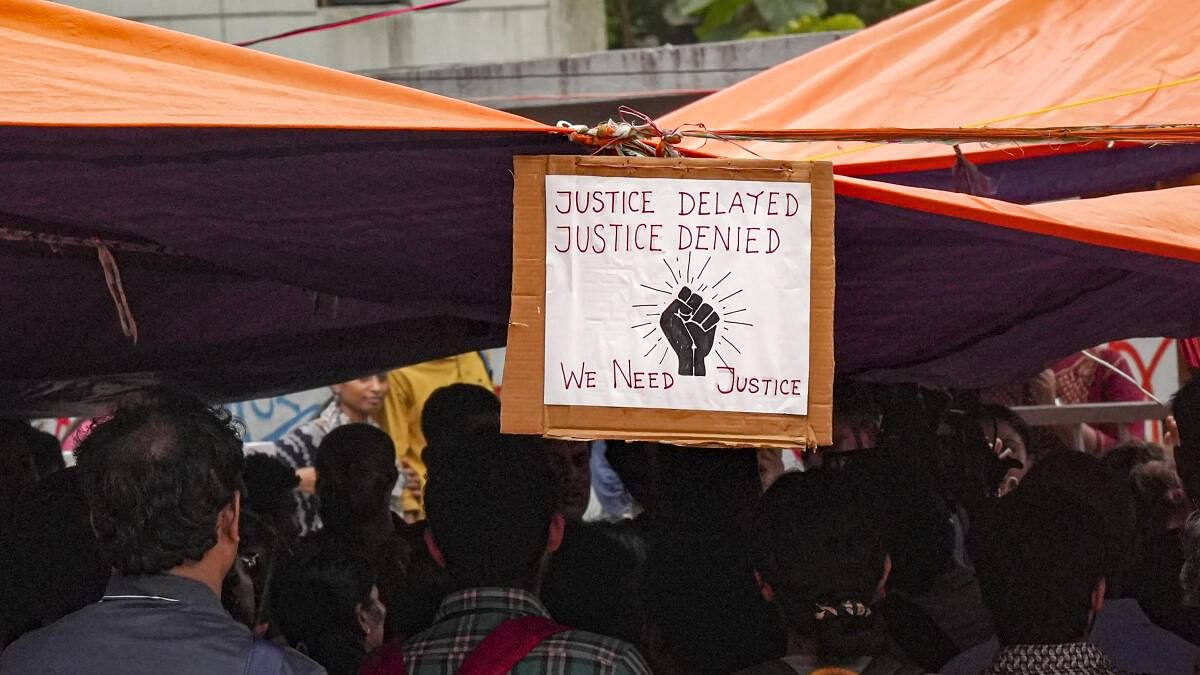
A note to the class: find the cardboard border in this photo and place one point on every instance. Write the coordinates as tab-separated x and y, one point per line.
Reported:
523	409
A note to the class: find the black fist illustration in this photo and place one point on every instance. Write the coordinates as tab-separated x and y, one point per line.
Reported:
690	325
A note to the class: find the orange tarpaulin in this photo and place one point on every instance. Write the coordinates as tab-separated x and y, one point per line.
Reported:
69	67
970	63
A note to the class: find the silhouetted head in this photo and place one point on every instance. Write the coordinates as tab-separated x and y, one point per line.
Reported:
491	505
356	471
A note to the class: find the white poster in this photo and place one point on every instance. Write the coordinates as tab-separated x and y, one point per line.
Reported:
681	294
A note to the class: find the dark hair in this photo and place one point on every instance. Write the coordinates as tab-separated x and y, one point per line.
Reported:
1106	493
594	580
270	492
1156	486
704	605
636	464
259	547
1127	456
314	598
1185	406
356	471
18	469
818	541
49	560
489	501
47	452
1038	565
712	487
999	413
157	476
856	406
425	586
920	538
457	407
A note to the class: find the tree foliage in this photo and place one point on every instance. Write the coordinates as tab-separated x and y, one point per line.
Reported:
634	23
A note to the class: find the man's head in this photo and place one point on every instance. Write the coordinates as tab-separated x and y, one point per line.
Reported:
1162	505
571	462
1105	493
456	408
857	417
1041	567
356	471
270	492
362	397
491	505
163	480
636	464
1131	454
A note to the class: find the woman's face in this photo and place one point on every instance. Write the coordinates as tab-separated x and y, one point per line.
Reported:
363	397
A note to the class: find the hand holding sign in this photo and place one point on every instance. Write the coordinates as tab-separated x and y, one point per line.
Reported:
690	325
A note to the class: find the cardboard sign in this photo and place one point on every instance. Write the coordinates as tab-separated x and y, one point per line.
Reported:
686	301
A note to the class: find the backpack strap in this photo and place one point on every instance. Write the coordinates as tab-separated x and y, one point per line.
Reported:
510	642
265	658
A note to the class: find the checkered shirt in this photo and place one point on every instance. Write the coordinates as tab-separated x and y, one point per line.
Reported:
1073	658
466	617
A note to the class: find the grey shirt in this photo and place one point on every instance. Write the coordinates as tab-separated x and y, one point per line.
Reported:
145	624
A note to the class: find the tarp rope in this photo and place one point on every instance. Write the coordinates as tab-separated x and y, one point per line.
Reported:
108	264
647	139
350	22
643	136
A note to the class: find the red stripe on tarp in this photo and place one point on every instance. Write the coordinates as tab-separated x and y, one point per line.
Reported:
1001	214
349	22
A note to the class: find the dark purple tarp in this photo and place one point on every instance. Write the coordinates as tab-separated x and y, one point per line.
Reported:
1027	180
299	258
943	301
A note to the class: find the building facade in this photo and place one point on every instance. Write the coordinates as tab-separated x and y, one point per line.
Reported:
475	31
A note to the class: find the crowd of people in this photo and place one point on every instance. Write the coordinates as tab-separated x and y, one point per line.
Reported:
937	535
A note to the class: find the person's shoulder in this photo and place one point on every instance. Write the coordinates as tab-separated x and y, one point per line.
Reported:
606	651
1126	623
1167	645
972	660
57	641
295	663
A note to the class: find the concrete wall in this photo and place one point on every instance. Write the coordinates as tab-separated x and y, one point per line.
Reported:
480	30
706	66
589	87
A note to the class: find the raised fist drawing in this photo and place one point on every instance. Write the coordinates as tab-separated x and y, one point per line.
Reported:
690	325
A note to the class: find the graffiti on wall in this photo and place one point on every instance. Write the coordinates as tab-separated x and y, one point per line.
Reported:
1155	365
268	419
